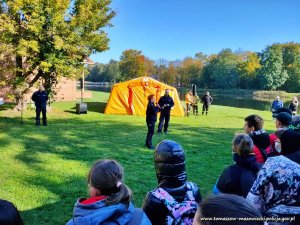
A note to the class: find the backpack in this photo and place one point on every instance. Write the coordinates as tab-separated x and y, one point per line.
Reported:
179	213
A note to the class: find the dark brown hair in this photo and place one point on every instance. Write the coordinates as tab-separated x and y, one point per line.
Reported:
105	175
150	97
255	121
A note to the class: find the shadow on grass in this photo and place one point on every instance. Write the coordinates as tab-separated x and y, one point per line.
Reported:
82	141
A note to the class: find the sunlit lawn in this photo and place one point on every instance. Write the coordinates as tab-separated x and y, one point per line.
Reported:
43	169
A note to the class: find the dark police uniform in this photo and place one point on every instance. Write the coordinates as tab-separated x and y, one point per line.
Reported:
151	118
207	100
40	99
165	112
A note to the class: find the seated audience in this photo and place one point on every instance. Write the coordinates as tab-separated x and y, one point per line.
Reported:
276	190
9	214
254	127
110	199
172	187
288	144
239	177
215	210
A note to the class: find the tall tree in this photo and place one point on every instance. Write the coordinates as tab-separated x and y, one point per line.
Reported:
134	64
248	71
273	73
51	38
221	71
291	63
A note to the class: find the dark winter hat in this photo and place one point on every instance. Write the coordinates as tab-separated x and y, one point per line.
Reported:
290	141
284	118
169	162
280	110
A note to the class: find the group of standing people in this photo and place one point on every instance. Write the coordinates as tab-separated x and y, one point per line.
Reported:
277	104
192	101
163	106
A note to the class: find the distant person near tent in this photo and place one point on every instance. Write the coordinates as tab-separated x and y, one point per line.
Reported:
189	101
277	104
151	117
166	103
196	101
206	100
40	99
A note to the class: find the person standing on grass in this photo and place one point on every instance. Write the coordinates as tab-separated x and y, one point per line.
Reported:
277	104
188	101
294	105
151	118
110	199
195	104
206	100
40	99
166	103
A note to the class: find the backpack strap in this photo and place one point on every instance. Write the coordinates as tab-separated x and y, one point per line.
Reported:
164	197
190	192
137	217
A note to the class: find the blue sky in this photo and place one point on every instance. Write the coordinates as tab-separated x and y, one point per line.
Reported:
175	29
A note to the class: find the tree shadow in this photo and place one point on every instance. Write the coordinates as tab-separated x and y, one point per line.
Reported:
80	141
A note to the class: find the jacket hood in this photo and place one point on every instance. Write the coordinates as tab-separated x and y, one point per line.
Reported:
248	162
169	162
261	140
98	213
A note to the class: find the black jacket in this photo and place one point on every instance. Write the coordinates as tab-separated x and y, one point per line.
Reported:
166	100
40	99
261	140
171	175
151	113
206	99
239	178
9	215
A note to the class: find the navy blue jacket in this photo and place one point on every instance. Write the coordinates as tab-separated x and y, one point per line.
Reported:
40	99
166	100
239	178
151	113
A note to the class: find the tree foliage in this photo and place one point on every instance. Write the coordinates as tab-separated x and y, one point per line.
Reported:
50	38
272	71
133	64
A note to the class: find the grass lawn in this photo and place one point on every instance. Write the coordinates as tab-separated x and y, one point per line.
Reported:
43	169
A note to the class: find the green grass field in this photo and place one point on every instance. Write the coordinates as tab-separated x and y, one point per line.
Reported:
43	169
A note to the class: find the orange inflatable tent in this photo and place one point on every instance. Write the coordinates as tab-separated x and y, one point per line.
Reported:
130	97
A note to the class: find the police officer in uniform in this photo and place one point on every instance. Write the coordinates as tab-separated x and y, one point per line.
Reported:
166	103
40	99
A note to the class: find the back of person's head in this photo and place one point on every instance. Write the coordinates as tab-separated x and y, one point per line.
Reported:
9	215
106	178
207	93
283	119
226	206
169	162
283	109
243	144
255	121
277	98
289	141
